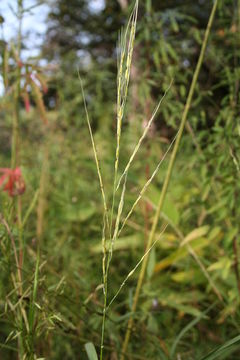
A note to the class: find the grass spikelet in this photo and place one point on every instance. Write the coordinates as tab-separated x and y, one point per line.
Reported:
126	45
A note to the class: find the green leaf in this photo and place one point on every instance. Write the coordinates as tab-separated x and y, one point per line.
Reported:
91	351
151	263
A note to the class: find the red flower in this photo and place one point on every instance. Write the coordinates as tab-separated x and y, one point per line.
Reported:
12	181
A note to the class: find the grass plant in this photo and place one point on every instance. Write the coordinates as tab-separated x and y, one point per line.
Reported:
126	50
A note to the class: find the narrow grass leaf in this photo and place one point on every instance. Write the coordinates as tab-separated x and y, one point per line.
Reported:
94	151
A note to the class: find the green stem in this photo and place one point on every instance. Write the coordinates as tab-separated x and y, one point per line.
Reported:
168	177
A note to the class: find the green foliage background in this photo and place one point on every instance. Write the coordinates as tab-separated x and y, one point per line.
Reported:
189	305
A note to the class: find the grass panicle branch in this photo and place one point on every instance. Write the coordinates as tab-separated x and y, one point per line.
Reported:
143	136
136	266
146	185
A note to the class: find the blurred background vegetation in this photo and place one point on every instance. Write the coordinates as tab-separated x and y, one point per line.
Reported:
190	299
